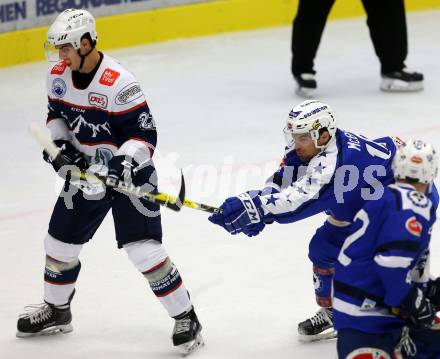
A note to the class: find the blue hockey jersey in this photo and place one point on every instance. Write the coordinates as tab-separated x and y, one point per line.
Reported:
386	254
351	170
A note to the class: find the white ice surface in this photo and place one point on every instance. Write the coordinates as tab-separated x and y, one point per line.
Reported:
220	104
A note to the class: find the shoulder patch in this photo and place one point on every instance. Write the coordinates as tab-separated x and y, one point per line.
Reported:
109	77
59	87
418	199
59	68
128	94
413	226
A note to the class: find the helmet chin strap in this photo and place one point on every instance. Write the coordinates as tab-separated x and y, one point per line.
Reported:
83	57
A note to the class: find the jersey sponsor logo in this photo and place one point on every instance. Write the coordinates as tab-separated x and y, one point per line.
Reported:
146	121
128	94
80	122
413	226
59	68
368	353
109	77
59	88
97	99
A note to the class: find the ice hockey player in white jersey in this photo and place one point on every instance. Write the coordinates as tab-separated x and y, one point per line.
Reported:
99	118
383	296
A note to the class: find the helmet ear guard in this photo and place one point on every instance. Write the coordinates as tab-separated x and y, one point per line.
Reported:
310	117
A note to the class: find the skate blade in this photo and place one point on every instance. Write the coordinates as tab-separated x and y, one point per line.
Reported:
393	85
305	92
48	331
326	335
190	347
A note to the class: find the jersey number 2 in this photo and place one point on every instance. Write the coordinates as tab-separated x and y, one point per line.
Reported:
363	217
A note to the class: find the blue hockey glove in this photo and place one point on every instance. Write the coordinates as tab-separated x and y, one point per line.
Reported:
417	309
240	214
120	169
69	155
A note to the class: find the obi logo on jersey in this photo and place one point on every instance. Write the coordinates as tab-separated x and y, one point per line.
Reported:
59	88
109	77
96	99
128	94
146	121
413	226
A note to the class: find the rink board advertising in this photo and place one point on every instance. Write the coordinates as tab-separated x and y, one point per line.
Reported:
18	15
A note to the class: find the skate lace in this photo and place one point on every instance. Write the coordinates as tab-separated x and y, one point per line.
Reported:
319	318
406	343
37	313
182	325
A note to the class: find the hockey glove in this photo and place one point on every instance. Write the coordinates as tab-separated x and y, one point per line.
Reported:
68	155
240	214
120	169
418	310
433	292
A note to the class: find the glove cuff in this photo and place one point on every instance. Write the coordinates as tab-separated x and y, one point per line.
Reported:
252	207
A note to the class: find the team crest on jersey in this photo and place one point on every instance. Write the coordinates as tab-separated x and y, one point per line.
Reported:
59	88
146	121
59	68
98	100
413	226
128	94
109	77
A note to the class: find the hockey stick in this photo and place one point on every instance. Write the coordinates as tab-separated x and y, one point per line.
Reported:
162	199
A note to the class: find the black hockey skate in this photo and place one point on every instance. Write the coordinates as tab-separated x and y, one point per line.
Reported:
318	327
45	318
402	81
306	85
186	333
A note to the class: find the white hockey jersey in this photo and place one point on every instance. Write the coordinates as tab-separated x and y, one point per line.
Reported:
110	117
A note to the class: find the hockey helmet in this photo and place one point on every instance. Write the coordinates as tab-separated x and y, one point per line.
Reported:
416	160
69	27
310	117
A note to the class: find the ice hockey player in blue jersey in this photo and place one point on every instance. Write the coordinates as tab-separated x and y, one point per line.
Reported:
384	298
325	169
99	118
